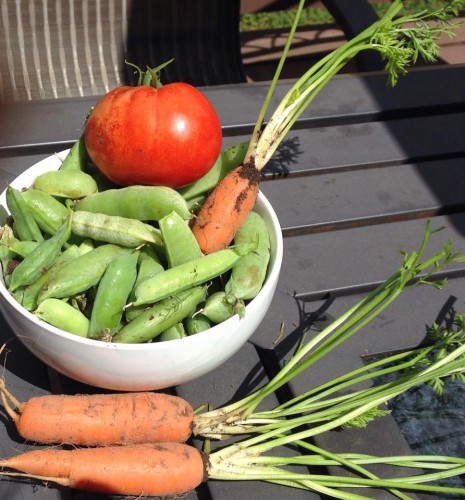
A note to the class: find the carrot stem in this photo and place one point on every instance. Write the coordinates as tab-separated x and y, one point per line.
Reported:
250	154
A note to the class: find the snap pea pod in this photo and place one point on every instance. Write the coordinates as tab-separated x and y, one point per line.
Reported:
22	248
59	313
24	224
31	292
161	316
76	159
6	255
80	274
145	203
112	294
194	204
66	183
180	243
40	259
86	246
249	273
173	333
228	160
189	274
122	231
149	265
47	211
219	307
197	323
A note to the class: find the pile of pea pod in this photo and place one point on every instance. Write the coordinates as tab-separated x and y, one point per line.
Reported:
121	264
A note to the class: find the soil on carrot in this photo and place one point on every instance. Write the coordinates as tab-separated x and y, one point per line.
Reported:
251	174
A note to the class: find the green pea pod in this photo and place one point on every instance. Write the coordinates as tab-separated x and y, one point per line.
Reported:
114	229
228	160
179	242
219	307
192	273
66	183
149	265
24	224
249	273
161	316
47	211
194	204
86	245
197	323
62	315
173	333
112	294
6	238
80	274
145	203
40	259
23	248
31	292
76	159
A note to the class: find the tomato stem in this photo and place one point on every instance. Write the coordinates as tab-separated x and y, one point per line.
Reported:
151	76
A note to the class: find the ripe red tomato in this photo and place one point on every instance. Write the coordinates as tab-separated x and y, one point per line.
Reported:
167	136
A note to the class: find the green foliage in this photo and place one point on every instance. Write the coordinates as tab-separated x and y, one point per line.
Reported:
315	16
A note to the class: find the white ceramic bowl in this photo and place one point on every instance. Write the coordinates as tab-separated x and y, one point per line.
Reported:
135	367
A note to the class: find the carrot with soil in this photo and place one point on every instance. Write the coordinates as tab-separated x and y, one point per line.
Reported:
101	419
169	469
400	39
165	469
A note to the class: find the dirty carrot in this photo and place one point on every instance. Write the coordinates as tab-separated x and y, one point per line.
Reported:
165	469
101	419
224	211
400	40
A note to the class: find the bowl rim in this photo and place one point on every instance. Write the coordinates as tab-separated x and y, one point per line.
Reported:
271	278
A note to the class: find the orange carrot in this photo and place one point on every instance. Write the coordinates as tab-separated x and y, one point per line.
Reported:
226	208
164	469
101	419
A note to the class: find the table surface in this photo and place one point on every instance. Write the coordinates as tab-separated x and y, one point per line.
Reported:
352	185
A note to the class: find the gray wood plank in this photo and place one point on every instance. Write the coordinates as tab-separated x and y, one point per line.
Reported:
336	200
326	265
367	145
347	98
